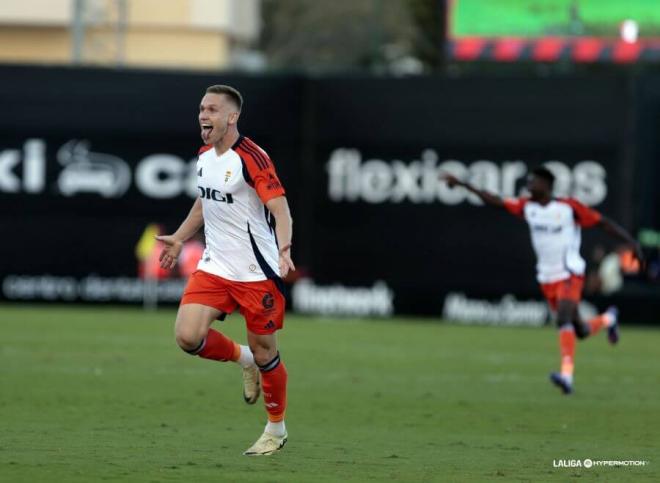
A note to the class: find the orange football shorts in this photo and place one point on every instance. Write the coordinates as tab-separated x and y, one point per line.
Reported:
567	289
261	303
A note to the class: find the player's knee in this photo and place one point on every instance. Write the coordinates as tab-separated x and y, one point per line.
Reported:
188	340
263	355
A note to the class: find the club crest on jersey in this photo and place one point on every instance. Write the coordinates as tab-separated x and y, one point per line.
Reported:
227	175
215	195
268	301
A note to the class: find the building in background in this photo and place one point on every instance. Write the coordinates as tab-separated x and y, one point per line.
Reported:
191	34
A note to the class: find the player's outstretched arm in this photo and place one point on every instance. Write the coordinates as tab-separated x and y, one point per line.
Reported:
174	243
279	207
617	231
486	197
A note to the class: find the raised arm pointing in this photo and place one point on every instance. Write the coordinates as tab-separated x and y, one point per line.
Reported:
485	196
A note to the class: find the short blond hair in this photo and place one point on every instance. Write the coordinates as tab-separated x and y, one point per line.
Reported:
229	91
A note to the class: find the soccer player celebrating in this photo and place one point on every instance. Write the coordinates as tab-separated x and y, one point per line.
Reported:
554	225
247	225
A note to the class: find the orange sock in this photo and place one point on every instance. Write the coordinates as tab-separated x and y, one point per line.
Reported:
567	351
273	382
597	323
217	347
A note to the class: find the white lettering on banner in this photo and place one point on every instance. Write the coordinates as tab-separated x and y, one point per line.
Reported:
86	171
507	311
9	182
90	289
350	178
562	177
378	181
34	166
512	172
44	287
161	176
589	182
337	299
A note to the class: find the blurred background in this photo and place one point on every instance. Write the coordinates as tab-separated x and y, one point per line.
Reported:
361	105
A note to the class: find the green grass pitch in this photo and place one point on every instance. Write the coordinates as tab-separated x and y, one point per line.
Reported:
103	394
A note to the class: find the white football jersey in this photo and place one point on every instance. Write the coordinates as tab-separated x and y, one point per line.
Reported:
239	229
556	235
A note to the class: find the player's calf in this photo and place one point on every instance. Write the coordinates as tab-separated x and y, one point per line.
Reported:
582	330
567	314
216	346
274	377
194	336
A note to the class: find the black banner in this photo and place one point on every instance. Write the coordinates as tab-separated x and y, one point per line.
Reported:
382	213
90	157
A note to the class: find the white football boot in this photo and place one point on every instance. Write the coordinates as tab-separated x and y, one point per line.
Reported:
267	444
